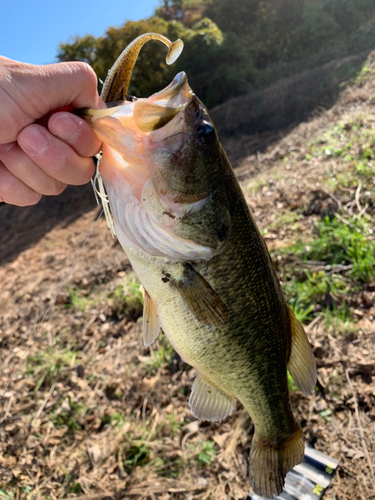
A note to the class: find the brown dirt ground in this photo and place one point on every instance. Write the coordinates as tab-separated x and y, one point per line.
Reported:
89	413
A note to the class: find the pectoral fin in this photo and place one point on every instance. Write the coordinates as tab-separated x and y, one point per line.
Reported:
151	323
202	299
207	402
301	364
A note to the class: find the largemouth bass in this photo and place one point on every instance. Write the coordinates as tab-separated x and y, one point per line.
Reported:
208	280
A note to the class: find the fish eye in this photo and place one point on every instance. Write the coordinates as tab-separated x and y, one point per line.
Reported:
205	133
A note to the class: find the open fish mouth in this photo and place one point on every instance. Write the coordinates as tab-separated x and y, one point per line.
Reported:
133	128
146	209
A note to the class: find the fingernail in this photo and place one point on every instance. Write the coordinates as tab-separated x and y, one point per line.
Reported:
64	127
5	148
33	140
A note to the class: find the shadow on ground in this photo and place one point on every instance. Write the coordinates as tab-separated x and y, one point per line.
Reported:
250	123
23	227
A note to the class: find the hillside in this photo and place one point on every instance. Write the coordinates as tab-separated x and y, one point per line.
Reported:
91	414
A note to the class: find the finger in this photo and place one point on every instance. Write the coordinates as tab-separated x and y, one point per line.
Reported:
26	170
14	191
54	156
76	132
4	148
31	92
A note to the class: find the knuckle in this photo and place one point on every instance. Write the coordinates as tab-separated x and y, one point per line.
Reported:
59	166
85	71
7	181
32	199
58	188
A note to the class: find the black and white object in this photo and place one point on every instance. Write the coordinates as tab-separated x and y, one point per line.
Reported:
308	480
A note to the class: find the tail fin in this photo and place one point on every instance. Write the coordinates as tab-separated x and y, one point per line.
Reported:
271	461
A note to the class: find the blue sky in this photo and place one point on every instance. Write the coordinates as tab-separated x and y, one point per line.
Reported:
31	30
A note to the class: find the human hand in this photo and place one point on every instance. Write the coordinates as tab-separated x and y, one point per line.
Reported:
42	146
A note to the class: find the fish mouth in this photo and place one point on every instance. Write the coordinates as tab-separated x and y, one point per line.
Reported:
159	109
133	128
133	131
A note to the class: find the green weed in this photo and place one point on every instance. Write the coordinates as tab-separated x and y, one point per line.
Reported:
69	484
307	289
207	452
138	454
335	152
75	488
126	298
343	254
286	218
326	414
48	364
364	169
118	419
293	387
78	299
339	319
6	496
161	356
174	424
68	417
344	243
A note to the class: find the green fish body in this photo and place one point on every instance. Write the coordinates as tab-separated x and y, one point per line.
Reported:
207	276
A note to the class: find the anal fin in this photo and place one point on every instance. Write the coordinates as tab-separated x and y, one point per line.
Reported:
301	363
207	402
202	299
151	323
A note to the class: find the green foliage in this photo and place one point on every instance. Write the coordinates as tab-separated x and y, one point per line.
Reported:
342	242
186	12
160	357
5	496
233	47
207	452
68	415
49	364
293	387
138	454
126	298
337	262
78	299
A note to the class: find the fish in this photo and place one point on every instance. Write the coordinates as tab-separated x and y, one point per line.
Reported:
207	277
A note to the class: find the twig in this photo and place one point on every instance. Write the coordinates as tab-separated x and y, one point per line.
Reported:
42	406
363	211
357	202
313	323
232	445
333	197
144	411
186	437
7	409
360	426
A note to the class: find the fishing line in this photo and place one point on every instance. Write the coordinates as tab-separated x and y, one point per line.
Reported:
15	366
